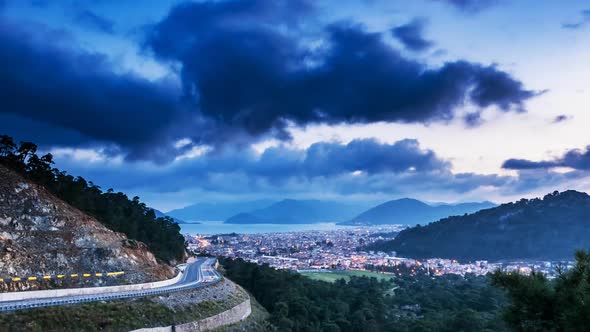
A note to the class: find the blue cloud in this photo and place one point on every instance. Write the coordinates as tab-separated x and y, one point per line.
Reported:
411	35
561	118
524	164
370	157
46	80
578	159
471	6
359	167
91	20
584	20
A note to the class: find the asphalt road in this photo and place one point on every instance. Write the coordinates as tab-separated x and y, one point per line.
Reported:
197	274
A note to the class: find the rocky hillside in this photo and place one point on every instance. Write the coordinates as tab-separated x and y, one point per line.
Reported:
42	235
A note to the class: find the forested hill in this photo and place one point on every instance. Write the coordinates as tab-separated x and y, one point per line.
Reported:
413	301
549	228
114	210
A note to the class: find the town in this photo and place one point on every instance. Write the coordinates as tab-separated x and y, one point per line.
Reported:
342	249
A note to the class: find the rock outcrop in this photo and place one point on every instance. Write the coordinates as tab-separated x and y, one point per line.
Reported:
42	235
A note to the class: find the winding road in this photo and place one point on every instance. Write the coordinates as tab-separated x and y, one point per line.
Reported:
197	274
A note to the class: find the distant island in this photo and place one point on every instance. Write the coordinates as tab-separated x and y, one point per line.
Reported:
551	228
411	211
291	211
401	211
160	214
216	211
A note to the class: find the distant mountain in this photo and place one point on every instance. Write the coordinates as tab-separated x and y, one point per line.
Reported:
290	211
412	211
160	214
217	211
551	228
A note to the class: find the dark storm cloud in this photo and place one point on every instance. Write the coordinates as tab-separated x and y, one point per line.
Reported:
411	35
577	159
59	86
23	128
583	21
91	20
471	6
247	70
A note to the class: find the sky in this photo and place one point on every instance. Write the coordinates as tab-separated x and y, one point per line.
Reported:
181	102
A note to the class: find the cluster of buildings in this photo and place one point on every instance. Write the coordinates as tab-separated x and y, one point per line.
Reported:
439	266
300	250
342	249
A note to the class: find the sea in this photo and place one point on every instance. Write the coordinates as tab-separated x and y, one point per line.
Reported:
218	227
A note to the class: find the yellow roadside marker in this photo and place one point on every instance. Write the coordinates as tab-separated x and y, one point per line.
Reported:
61	276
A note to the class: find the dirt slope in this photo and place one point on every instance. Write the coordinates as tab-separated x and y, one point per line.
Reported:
42	235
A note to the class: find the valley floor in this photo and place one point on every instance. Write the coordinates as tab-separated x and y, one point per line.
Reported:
331	276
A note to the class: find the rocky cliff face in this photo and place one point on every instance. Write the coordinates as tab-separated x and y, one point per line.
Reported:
42	235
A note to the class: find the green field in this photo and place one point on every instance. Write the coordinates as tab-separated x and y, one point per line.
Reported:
335	275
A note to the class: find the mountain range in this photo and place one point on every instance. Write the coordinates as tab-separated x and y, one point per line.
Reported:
160	214
412	211
217	211
551	228
290	211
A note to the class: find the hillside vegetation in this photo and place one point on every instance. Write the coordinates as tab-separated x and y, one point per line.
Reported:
551	228
540	304
409	303
332	276
113	209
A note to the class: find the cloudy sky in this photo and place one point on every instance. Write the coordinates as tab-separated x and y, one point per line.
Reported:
182	102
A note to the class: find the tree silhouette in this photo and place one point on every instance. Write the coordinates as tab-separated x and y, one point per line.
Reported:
539	304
